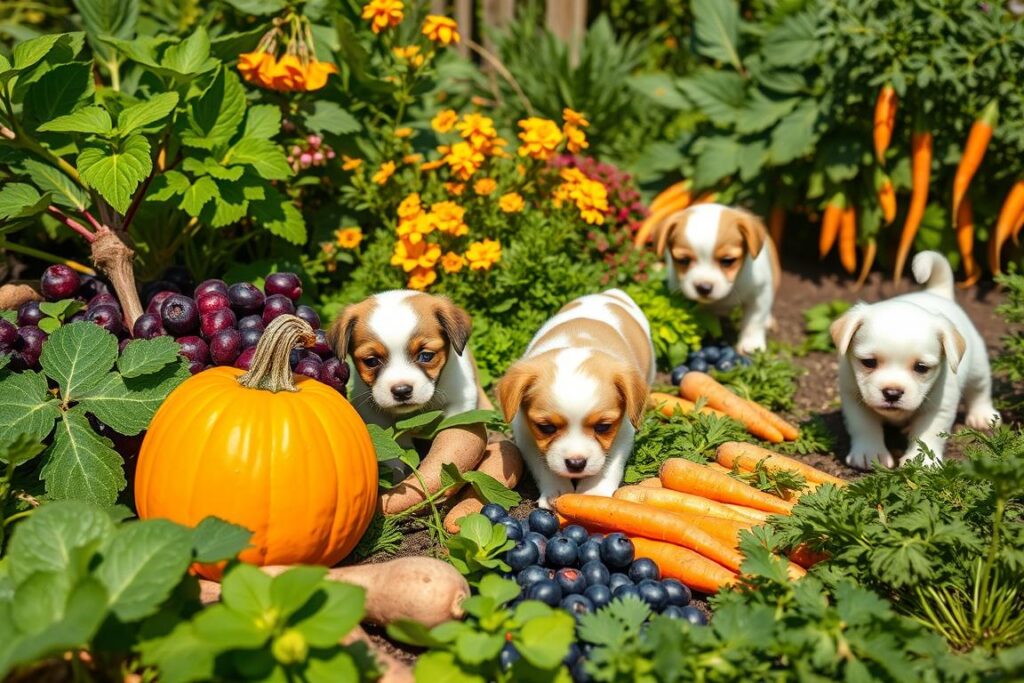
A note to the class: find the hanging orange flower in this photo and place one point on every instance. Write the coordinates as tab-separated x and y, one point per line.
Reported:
348	238
444	120
452	262
443	30
252	65
511	202
540	138
386	170
383	14
317	73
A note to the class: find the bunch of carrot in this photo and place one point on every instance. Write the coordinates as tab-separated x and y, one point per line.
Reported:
688	520
671	200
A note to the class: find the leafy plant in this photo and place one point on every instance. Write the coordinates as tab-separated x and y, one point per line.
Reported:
479	547
469	650
1011	360
694	436
677	324
56	313
817	320
770	380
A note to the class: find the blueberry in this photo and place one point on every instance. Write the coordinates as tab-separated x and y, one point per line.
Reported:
491	511
694	616
508	656
653	593
590	551
599	595
677	374
698	365
643	568
562	552
107	317
543	522
711	353
28	347
597	537
90	287
616	551
725	364
104	299
595	573
539	541
512	528
695	355
576	533
522	555
570	580
151	289
179	315
251	322
744	361
678	594
524	526
618	579
532	574
213	285
625	591
157	302
579	671
673	612
575	652
727	352
8	334
547	591
147	326
194	349
577	605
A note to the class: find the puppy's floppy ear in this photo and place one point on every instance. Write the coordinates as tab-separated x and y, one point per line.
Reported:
511	389
455	322
953	344
340	333
633	391
845	327
753	231
663	229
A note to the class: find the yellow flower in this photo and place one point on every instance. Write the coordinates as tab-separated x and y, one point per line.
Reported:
383	14
463	160
483	255
444	120
540	137
440	29
410	206
403	132
413	229
411	255
520	169
421	278
455	189
349	238
511	202
383	173
410	54
431	165
590	196
574	118
350	163
452	262
449	218
485	186
478	130
412	158
576	139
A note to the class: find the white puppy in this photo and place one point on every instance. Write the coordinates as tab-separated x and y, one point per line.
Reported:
576	397
722	258
908	361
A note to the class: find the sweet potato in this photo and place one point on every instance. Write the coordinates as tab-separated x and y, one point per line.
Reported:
391	670
503	461
12	296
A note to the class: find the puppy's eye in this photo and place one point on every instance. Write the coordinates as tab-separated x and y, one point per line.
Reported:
921	368
685	261
425	356
869	363
545	428
602	427
727	261
371	361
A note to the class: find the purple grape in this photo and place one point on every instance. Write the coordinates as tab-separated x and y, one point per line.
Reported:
104	299
296	356
59	282
214	285
309	315
309	366
225	346
334	373
8	334
244	360
77	317
286	284
212	301
277	305
151	289
194	368
29	314
322	347
157	302
250	338
179	315
27	348
107	317
251	322
147	326
195	349
123	343
181	278
245	298
91	286
215	321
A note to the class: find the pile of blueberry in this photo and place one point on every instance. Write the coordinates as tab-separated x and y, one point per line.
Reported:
713	356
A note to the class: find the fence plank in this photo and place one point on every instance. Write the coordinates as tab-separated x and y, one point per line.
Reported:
567	19
464	16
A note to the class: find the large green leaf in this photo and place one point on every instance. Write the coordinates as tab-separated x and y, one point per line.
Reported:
80	465
146	356
264	156
659	87
545	641
262	121
128	405
63	190
793	42
214	540
31	52
39	600
278	215
197	194
142	564
27	406
796	134
113	18
77	356
20	200
330	117
91	119
57	92
716	30
340	613
147	112
115	170
718	94
763	110
215	116
718	158
51	538
191	56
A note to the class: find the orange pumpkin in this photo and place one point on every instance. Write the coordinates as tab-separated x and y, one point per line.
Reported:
283	455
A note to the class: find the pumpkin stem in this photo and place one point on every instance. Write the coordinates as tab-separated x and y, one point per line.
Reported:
271	368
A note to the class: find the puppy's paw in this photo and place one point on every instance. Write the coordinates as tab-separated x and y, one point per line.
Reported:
914	452
548	495
749	343
983	417
862	456
597	488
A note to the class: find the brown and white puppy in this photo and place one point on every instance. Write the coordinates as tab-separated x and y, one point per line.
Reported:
409	355
578	394
722	257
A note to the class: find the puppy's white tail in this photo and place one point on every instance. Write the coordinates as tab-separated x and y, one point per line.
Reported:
932	270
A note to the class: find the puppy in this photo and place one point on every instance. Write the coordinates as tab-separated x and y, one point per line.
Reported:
409	354
722	257
578	394
908	361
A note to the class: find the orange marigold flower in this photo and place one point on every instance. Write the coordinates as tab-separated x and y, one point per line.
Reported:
350	163
431	165
540	138
485	186
511	202
449	218
455	189
385	171
383	14
478	130
317	73
463	160
574	118
348	238
403	132
411	255
412	158
452	262
482	255
410	206
444	120
413	229
443	30
410	54
576	139
421	278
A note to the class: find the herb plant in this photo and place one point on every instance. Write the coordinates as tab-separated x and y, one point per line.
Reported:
479	547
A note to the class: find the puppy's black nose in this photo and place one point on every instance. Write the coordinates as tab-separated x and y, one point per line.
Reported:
575	465
892	394
402	392
703	288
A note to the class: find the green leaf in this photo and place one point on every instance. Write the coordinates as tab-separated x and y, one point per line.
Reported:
81	465
476	647
339	667
181	656
499	589
20	448
716	30
265	156
115	170
57	92
416	422
262	121
413	633
330	117
143	563
61	309
762	111
470	417
31	52
128	404
27	406
246	589
63	190
51	538
258	7
214	540
215	116
197	194
19	200
113	18
660	88
226	629
544	642
191	56
441	666
167	185
92	119
332	620
718	157
77	357
793	42
720	95
491	490
278	215
795	135
39	601
292	589
146	356
147	112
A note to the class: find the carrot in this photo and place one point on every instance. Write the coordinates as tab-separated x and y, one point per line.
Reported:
675	501
974	151
886	198
1017	227
1013	206
965	242
698	384
830	224
503	462
706	198
777	224
885	120
666	404
806	557
671	206
651	483
689	477
789	431
920	171
669	193
691	568
870	250
718	468
642	520
759	515
848	239
728	532
746	456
